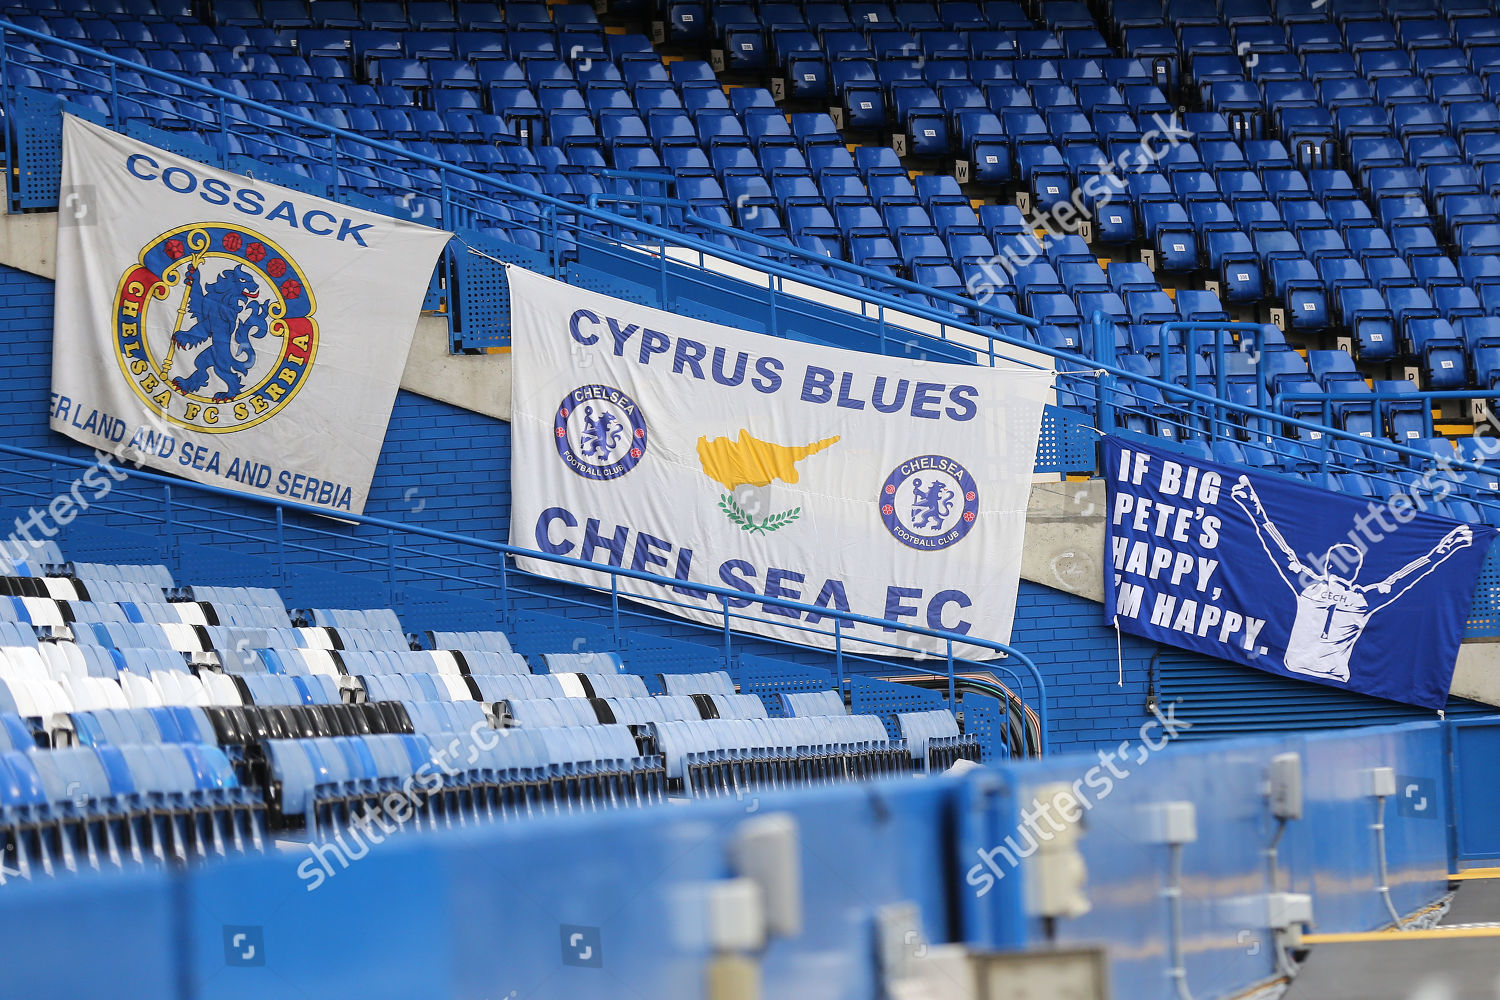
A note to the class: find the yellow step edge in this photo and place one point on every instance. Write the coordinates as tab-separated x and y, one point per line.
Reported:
1475	873
1358	937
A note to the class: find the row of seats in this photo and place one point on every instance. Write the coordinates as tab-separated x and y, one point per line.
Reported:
275	19
241	730
44	687
1347	14
327	783
728	755
69	808
636	711
934	739
113	754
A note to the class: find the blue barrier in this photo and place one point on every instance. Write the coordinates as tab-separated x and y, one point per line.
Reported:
1329	854
418	915
1475	808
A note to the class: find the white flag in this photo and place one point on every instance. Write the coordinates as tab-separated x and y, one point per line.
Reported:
227	330
892	488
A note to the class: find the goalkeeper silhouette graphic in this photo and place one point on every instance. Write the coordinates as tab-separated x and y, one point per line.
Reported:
1332	609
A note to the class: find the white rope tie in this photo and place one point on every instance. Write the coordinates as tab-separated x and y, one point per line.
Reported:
481	253
1119	654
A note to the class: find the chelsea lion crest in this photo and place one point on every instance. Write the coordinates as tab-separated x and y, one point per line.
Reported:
929	502
213	326
600	432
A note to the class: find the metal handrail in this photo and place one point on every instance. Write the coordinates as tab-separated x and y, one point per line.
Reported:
614	572
1103	325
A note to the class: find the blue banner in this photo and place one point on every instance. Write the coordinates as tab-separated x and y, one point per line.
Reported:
1368	596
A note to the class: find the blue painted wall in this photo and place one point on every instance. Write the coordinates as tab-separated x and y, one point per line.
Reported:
1329	854
448	469
1081	659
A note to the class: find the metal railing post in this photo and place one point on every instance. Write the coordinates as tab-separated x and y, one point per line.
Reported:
1262	390
1221	377
1323	440
951	701
504	590
166	516
281	545
333	165
662	262
555	225
614	605
775	293
390	563
1104	384
446	203
727	641
838	653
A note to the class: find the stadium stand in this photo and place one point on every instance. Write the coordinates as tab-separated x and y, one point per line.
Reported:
130	734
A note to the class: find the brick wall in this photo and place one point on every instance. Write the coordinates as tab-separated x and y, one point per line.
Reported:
1076	652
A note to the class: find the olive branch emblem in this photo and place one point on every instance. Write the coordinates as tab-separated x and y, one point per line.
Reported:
747	522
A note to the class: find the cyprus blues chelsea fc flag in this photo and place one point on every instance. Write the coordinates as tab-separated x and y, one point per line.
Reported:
228	330
891	488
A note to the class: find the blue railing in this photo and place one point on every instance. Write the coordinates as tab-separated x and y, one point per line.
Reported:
179	507
1378	396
